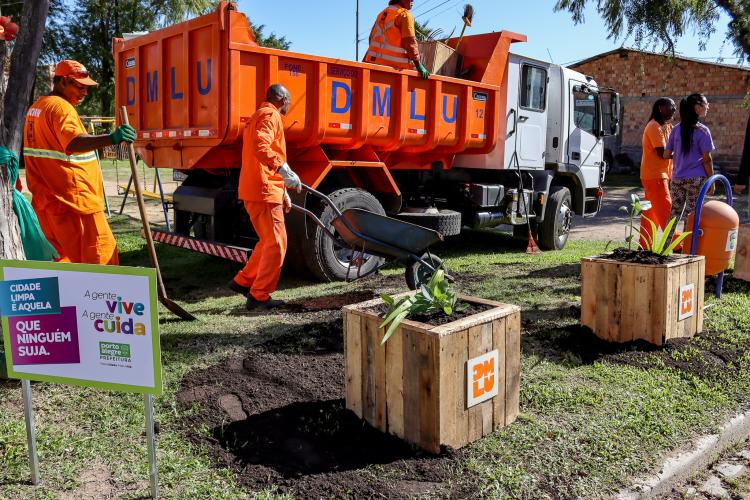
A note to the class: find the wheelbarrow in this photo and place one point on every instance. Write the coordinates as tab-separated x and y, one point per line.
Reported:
367	233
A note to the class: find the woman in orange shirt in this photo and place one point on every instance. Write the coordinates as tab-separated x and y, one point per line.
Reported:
656	172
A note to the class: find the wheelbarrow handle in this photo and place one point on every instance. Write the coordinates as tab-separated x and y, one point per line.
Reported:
314	217
323	197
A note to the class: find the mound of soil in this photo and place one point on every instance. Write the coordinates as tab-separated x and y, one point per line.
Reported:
640	256
276	417
439	317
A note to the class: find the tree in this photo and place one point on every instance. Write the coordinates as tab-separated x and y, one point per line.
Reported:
23	61
661	22
85	33
273	41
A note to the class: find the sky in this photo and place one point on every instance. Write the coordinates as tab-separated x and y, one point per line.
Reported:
327	28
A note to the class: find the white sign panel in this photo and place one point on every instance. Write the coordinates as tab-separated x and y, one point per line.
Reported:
482	378
81	324
731	241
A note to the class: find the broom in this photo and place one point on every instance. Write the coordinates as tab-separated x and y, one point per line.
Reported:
467	17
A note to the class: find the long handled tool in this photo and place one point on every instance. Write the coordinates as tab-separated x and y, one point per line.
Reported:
166	301
467	18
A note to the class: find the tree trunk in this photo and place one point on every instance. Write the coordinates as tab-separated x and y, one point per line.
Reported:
17	94
11	247
22	70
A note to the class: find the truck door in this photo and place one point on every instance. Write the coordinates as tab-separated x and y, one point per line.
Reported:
532	116
584	147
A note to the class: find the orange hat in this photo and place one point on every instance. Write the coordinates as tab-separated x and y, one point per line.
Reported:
75	70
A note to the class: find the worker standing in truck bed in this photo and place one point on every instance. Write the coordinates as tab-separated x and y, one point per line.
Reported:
393	41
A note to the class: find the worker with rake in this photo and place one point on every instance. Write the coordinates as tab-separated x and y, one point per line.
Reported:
62	170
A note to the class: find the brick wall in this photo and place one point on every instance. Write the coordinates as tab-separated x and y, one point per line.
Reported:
641	78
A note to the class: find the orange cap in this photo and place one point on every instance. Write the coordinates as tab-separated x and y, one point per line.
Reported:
74	70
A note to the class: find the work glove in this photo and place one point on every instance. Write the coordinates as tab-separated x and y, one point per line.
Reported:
122	133
291	180
422	71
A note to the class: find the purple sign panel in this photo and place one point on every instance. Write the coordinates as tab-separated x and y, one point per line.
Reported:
47	339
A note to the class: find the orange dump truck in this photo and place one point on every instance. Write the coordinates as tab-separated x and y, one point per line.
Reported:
513	141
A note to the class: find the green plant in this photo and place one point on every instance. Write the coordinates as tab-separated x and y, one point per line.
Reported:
434	297
651	241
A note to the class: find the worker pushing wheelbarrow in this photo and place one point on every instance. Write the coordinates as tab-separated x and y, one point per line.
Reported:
368	233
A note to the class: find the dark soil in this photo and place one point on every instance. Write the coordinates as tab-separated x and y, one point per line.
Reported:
439	317
276	416
330	301
640	256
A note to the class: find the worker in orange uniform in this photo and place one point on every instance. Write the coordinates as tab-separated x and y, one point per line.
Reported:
264	177
656	172
393	41
62	171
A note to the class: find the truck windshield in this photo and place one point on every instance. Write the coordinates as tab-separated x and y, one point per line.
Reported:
584	111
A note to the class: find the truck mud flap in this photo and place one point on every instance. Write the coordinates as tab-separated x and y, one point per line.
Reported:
228	252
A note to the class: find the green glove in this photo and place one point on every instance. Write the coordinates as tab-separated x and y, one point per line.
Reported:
123	133
422	71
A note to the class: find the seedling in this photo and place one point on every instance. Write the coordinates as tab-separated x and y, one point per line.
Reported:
434	297
654	242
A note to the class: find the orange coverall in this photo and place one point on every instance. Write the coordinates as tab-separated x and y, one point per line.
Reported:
656	173
262	190
393	40
67	190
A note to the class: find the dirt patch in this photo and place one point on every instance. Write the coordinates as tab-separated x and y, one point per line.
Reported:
439	317
329	301
640	256
276	416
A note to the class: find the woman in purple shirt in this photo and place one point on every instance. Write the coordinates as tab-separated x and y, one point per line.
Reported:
689	145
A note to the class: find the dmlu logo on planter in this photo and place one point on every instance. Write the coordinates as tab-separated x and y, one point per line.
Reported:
482	378
686	302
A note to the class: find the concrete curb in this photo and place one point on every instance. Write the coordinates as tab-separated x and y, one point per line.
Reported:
680	466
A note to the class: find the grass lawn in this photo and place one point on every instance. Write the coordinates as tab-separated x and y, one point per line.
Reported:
593	415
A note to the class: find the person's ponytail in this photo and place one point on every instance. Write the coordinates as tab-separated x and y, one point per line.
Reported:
688	119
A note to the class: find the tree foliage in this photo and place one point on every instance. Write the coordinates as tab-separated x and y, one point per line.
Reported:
273	40
660	23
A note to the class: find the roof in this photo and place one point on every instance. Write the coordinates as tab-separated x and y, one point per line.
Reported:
658	54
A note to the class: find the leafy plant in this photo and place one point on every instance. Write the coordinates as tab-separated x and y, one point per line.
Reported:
651	242
434	297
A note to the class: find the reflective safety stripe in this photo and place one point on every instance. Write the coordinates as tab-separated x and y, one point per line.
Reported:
57	155
387	46
388	58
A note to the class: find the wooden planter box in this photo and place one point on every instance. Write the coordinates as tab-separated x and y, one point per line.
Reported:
623	301
742	257
415	386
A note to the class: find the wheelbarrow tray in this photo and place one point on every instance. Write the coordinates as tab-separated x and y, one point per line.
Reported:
383	236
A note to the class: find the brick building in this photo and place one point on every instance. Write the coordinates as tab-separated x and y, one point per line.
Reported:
641	77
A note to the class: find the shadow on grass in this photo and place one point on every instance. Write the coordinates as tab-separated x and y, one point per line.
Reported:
560	271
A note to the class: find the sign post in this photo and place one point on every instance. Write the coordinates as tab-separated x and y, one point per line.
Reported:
81	324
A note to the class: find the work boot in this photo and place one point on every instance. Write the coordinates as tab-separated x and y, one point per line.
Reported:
236	287
254	305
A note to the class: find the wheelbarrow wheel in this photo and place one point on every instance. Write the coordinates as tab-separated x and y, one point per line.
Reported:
418	274
328	260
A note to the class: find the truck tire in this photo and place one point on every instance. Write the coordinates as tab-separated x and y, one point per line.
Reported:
558	215
324	259
445	222
418	274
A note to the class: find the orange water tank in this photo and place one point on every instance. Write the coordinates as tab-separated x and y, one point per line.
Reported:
718	240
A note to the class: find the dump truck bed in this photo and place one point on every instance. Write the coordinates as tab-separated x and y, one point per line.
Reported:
190	89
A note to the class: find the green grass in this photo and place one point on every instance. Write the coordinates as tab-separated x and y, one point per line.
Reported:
588	423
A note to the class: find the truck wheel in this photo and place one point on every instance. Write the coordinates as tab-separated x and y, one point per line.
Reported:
445	222
328	260
418	274
555	228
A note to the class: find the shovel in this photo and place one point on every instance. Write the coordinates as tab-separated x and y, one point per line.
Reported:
166	301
